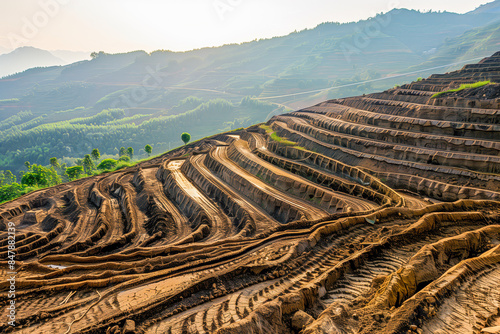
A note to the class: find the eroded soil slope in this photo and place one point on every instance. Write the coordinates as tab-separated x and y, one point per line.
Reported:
383	218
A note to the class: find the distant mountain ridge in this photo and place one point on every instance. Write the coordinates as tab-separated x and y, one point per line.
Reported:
387	42
27	57
492	8
34	57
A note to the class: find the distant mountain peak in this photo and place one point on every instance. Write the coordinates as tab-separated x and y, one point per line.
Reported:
491	7
26	57
27	47
31	50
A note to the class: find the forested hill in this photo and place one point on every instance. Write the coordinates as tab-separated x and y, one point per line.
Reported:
137	98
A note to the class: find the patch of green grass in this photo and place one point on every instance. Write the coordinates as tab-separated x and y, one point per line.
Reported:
267	128
283	141
464	86
119	165
277	138
123	164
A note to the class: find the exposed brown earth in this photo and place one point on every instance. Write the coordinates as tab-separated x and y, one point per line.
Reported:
384	218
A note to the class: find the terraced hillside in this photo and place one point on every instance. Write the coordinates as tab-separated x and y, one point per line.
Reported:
376	214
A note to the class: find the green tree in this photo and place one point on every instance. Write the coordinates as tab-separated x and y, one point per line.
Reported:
123	151
10	191
186	137
31	179
95	154
148	149
95	55
88	164
54	162
9	177
107	164
130	152
40	176
125	158
62	172
74	172
27	164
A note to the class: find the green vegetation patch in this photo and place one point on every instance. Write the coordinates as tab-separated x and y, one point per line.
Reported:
277	138
462	87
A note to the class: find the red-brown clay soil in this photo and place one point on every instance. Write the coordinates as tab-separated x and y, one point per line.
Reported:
384	218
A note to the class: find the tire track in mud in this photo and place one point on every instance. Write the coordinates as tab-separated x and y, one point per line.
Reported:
261	219
221	224
230	172
355	204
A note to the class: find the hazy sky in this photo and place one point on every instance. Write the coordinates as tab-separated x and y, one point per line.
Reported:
125	25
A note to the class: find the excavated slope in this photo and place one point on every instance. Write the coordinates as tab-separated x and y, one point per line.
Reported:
383	218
